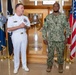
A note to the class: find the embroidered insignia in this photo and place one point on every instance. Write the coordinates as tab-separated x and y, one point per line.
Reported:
25	20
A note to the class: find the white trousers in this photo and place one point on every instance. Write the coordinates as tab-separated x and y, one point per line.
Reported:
20	45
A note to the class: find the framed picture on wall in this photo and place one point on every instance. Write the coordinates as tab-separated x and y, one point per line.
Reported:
48	2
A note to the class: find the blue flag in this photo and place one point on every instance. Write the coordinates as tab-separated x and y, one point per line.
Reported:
2	34
2	39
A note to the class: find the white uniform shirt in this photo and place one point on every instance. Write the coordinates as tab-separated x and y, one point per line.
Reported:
16	21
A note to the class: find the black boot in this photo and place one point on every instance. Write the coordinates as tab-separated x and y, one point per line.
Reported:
49	69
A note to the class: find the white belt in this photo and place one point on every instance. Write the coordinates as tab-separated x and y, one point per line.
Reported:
18	32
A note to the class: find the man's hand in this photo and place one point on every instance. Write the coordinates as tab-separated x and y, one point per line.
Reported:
45	42
22	25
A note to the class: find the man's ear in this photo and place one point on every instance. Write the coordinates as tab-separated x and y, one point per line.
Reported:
45	19
59	7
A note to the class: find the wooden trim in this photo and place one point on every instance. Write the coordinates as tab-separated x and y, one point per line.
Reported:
67	7
43	7
34	58
37	7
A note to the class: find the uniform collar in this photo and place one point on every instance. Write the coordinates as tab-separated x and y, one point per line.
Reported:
56	15
17	15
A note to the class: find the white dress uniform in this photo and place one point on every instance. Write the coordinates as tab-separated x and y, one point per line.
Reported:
19	39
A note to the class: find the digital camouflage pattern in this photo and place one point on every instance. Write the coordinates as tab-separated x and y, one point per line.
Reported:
54	27
60	52
53	32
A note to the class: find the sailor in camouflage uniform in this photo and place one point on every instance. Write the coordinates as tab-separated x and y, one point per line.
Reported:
53	36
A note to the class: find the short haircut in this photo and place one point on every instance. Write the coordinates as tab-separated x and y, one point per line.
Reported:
17	5
57	4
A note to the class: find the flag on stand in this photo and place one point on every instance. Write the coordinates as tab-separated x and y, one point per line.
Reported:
9	13
9	7
2	33
72	21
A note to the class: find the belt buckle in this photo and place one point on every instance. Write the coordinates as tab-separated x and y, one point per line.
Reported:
21	32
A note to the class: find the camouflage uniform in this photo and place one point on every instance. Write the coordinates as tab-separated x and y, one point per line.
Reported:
53	32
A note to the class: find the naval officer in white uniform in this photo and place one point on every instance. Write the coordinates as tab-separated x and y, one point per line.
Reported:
18	24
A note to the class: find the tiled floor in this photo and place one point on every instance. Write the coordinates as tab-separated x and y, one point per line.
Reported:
6	68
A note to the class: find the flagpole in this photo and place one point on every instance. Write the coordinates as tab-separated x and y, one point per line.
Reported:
10	13
8	56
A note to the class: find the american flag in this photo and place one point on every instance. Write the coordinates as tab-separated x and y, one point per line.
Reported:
72	21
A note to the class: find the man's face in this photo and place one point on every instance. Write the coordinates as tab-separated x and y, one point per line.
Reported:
20	9
56	7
